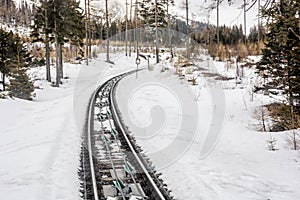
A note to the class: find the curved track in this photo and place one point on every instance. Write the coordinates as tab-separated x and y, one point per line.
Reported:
112	165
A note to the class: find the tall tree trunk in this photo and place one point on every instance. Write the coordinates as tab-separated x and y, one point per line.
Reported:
187	28
156	34
169	30
245	24
57	64
7	11
126	29
258	22
3	81
86	33
89	31
131	25
107	31
136	28
218	31
101	28
56	53
61	67
48	71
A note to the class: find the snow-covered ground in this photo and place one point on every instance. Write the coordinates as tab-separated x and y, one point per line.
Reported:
40	139
240	166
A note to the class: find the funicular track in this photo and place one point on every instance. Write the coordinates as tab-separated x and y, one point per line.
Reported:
112	165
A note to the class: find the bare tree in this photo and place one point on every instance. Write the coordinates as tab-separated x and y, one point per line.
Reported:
217	6
126	29
260	114
131	25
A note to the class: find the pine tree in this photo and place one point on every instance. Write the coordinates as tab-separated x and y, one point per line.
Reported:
280	62
20	85
68	17
14	62
6	54
147	13
41	31
59	22
3	47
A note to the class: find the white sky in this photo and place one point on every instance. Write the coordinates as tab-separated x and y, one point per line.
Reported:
229	15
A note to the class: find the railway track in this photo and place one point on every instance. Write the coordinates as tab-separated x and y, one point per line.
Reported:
113	166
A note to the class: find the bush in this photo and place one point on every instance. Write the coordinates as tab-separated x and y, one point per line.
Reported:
282	118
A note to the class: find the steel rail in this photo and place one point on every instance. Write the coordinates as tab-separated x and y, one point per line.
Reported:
94	181
124	158
118	121
89	129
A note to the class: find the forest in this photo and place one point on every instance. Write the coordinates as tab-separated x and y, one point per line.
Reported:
61	31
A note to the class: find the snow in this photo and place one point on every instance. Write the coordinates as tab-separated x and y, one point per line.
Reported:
39	145
40	139
238	165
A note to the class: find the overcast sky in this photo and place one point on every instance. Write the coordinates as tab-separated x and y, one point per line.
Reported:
229	15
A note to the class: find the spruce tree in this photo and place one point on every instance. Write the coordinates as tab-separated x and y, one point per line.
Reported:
20	85
6	54
41	30
59	22
280	62
14	62
147	13
3	48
